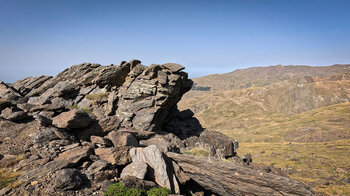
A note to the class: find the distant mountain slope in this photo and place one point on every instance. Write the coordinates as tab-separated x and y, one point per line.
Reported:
241	111
262	76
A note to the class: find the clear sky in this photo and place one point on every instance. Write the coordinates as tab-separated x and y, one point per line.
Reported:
43	37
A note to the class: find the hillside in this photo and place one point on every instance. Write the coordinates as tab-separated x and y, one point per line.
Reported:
297	121
260	76
239	111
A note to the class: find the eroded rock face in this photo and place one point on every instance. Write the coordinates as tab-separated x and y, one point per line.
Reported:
146	97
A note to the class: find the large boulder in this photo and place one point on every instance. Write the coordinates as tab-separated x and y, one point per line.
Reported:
67	179
224	178
218	144
153	156
72	119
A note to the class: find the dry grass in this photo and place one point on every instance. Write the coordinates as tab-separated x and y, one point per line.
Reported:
197	152
316	164
8	178
98	97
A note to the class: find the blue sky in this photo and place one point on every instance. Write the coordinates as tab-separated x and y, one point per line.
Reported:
43	37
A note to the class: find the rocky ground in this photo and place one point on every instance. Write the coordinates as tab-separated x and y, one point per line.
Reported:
91	126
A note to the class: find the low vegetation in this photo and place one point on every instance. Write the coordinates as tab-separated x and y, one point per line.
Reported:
323	165
118	189
7	177
97	97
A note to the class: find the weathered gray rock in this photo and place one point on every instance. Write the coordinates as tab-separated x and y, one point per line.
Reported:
224	178
173	67
76	155
29	84
115	155
72	119
122	139
67	179
43	120
9	93
63	134
153	156
45	136
137	169
139	135
13	114
97	166
220	145
145	99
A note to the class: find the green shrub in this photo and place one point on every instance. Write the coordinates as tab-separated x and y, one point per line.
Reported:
118	189
86	110
158	192
74	106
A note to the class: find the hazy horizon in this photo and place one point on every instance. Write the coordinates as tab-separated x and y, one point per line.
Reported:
45	37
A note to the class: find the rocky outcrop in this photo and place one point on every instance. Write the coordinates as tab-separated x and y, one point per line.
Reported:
223	178
146	97
93	125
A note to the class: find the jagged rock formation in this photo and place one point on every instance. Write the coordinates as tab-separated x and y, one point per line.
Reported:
92	125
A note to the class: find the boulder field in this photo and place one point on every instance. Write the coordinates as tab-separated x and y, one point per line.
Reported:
92	125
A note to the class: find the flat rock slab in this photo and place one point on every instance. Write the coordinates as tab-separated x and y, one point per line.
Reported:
224	178
72	119
76	155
